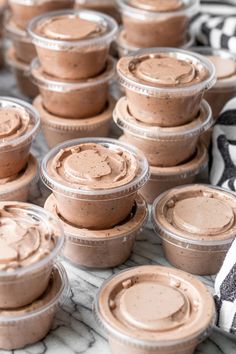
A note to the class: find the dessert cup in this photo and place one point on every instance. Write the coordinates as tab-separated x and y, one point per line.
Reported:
103	248
73	45
95	181
164	178
197	225
19	126
153	27
58	130
27	252
73	99
108	7
154	310
165	86
29	324
163	147
16	188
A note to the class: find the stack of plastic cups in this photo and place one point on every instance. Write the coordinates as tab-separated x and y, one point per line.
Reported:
3	8
22	51
164	113
73	71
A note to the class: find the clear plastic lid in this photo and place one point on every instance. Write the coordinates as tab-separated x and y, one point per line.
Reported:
56	44
142	173
34	2
96	2
148	87
199	215
129	124
40	78
13	31
150	307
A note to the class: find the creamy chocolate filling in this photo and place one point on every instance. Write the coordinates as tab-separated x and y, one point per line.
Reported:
14	123
158	5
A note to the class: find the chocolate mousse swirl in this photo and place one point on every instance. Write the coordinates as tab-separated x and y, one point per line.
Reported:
93	166
23	241
15	122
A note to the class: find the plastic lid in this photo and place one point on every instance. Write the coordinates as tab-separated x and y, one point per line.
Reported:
141	172
14	32
148	72
197	214
59	44
129	124
35	2
40	78
155	307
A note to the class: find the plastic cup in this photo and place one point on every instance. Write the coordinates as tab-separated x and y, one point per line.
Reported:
108	7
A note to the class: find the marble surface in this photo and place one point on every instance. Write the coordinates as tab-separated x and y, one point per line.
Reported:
75	330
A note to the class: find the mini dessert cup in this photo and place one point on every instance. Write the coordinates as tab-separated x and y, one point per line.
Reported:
108	7
17	131
154	310
95	181
225	86
27	253
147	25
24	10
103	248
22	43
165	86
29	324
58	130
73	56
197	224
21	71
163	146
164	178
73	99
17	187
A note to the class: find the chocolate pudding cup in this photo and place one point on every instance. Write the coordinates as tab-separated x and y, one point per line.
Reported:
16	188
164	178
104	248
21	71
29	324
31	240
94	180
197	225
73	45
165	86
19	126
155	23
22	43
25	10
108	7
163	147
225	86
58	130
72	99
154	310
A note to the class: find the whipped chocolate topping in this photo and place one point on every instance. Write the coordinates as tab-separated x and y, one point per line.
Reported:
158	5
225	67
70	28
23	240
93	166
14	123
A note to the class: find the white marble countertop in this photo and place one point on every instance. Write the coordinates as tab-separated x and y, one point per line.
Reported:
75	330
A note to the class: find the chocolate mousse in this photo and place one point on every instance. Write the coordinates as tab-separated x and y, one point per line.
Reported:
95	181
73	44
197	224
165	87
153	309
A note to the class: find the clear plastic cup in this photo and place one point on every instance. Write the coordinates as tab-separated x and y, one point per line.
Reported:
25	10
22	43
17	188
14	152
163	147
157	29
28	325
162	104
72	99
197	241
97	207
23	280
164	178
73	59
154	310
108	7
104	248
58	130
